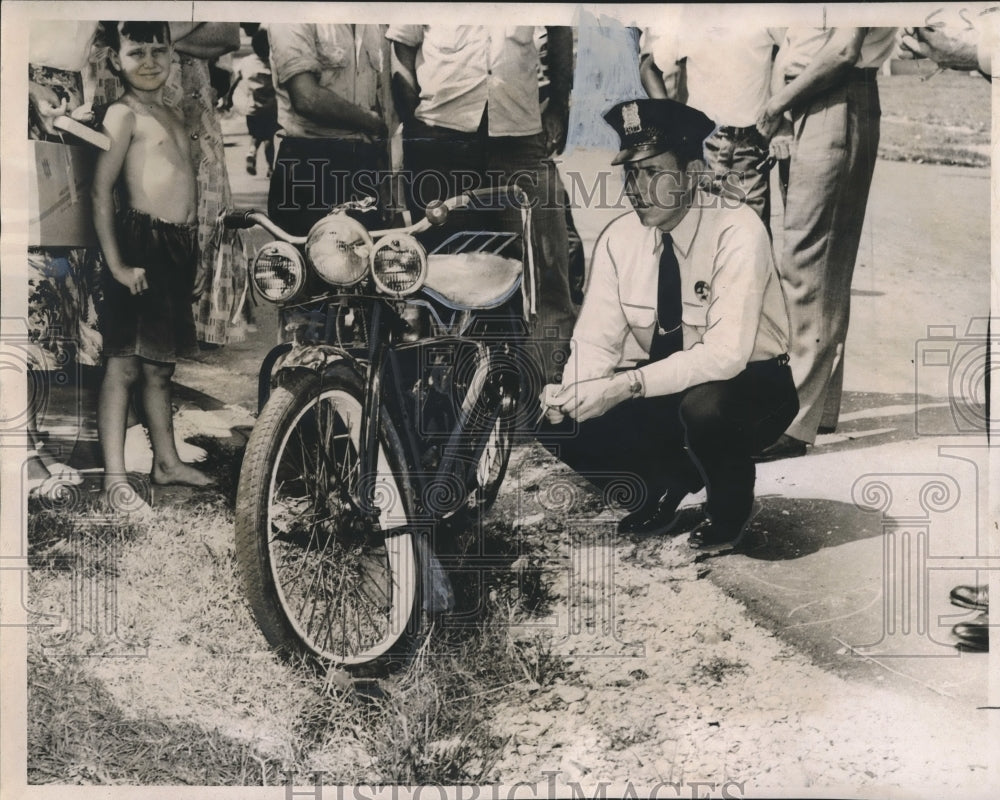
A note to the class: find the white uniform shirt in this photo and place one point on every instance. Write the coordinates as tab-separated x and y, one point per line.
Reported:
728	70
733	308
463	68
346	59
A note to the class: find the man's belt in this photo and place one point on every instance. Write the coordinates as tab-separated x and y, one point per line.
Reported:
732	132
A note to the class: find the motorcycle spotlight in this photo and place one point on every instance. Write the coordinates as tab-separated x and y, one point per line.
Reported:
399	264
278	272
338	247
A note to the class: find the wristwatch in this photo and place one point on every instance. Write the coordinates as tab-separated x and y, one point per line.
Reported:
636	387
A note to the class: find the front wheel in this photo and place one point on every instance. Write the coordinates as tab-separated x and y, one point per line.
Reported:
322	580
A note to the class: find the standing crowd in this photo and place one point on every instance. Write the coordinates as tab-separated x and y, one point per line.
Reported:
743	352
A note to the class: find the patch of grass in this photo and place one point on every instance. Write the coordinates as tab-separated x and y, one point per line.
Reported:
943	120
435	722
718	668
209	703
78	735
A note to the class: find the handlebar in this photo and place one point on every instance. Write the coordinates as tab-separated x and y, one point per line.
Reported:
249	217
435	214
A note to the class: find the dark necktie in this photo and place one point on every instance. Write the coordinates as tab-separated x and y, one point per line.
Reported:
668	338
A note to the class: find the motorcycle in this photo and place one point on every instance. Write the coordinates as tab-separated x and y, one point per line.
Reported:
392	408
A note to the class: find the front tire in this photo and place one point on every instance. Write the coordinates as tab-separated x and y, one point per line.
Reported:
321	582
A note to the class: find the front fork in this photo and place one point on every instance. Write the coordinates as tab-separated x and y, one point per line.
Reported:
371	412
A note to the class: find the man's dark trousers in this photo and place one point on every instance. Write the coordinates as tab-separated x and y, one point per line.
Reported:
704	436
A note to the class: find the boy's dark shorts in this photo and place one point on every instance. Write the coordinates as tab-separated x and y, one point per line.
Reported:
157	325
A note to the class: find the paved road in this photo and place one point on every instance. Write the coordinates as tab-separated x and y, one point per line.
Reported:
821	573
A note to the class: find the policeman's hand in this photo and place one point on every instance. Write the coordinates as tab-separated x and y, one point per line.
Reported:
549	402
589	399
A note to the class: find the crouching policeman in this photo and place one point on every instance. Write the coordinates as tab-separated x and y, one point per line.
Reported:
694	280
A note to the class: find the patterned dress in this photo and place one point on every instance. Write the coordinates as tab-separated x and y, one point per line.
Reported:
218	314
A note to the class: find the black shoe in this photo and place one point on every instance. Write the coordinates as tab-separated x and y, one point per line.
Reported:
827	429
974	635
976	597
653	519
711	537
786	447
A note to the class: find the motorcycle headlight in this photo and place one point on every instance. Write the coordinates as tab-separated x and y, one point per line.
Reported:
278	272
339	248
399	264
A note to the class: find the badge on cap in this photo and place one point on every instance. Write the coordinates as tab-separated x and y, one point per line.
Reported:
630	118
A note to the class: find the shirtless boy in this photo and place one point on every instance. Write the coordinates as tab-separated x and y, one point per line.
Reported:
151	248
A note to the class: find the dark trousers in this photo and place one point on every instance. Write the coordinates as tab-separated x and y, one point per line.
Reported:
311	176
733	155
705	436
441	162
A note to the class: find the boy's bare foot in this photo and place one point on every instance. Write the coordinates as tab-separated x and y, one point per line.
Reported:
181	475
120	497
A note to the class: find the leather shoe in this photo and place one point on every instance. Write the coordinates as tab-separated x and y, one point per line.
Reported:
974	635
786	447
976	597
653	519
710	537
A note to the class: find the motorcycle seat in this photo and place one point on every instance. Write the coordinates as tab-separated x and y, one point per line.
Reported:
472	280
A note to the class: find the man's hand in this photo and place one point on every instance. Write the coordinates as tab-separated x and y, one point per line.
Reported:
132	278
592	398
768	121
554	121
781	142
46	104
405	96
954	49
84	113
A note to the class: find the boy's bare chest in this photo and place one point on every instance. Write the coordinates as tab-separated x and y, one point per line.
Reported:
160	131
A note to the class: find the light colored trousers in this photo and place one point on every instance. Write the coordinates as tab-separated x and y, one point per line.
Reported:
833	158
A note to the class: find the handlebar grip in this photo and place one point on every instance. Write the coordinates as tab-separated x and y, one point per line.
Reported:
239	219
436	212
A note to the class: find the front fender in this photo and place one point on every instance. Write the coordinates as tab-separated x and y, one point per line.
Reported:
316	358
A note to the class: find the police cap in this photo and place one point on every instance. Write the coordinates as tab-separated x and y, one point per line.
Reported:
649	127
